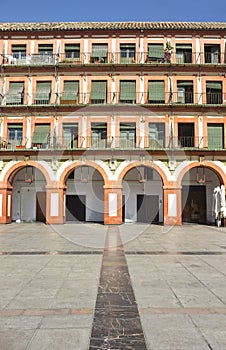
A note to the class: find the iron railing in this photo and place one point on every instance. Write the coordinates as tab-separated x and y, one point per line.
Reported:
114	58
121	143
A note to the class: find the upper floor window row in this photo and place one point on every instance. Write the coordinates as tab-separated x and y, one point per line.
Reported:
127	53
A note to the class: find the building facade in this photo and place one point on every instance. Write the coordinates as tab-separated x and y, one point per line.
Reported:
112	122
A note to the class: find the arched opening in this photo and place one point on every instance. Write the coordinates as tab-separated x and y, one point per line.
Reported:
84	195
142	196
197	195
28	195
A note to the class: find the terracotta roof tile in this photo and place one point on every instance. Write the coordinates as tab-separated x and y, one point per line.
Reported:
56	26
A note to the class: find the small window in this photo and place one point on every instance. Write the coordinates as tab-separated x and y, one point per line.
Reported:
99	53
128	91
98	92
72	52
127	53
184	53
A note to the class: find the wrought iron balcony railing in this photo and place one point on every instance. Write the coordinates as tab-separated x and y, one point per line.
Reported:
73	98
118	143
115	58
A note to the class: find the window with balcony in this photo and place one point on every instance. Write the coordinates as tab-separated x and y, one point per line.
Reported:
70	135
127	135
44	56
212	53
215	136
156	91
127	91
127	53
72	52
19	53
185	91
70	92
99	53
43	92
15	135
98	92
99	135
214	92
41	136
186	134
155	53
156	135
184	53
15	94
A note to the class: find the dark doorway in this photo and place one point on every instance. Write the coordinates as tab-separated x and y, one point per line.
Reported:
41	206
123	208
75	208
147	208
194	204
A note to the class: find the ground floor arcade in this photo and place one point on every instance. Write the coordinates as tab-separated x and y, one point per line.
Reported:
96	191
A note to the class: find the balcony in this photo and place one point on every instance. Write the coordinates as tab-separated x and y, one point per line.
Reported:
206	58
114	143
176	98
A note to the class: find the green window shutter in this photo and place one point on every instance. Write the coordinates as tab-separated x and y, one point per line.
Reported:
98	90
45	48
43	91
99	50
18	48
216	85
215	136
14	94
183	47
41	134
72	47
156	91
156	51
184	83
70	91
127	90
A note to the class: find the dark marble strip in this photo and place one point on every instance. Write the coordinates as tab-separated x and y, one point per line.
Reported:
54	253
116	323
174	253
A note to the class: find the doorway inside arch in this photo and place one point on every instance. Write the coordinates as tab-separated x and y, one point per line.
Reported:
85	195
142	196
197	195
29	195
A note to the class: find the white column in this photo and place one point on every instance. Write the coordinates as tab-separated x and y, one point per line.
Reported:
200	131
54	204
142	97
199	89
113	131
113	58
1	198
112	200
198	53
141	48
84	128
86	49
28	133
142	132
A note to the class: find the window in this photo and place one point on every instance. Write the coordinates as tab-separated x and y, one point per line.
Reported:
41	136
186	134
72	52
128	91
15	94
99	53
156	91
184	53
155	52
70	135
70	92
215	136
15	135
99	135
156	135
19	53
212	53
214	92
44	56
127	135
127	53
98	92
43	92
184	91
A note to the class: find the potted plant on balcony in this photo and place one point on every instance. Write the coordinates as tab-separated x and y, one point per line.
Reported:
167	52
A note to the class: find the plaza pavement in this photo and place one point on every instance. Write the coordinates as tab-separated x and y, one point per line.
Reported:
49	279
